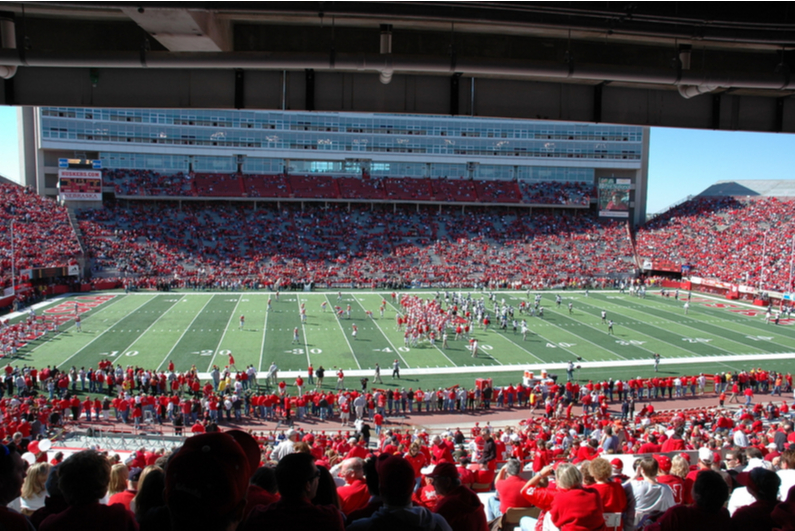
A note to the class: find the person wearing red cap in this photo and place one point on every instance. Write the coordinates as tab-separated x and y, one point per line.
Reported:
297	478
459	505
617	471
673	473
676	442
83	480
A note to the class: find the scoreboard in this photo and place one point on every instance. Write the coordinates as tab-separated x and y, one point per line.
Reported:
79	182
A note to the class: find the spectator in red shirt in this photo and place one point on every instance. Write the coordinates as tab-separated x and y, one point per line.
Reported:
126	496
575	507
710	493
508	485
354	494
614	499
458	504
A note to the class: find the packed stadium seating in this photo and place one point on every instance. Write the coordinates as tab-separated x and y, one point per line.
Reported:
314	186
360	246
356	188
733	240
556	193
43	236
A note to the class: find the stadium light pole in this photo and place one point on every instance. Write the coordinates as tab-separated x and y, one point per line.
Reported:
791	258
762	265
13	264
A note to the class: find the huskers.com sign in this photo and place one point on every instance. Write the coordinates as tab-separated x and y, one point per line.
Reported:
80	185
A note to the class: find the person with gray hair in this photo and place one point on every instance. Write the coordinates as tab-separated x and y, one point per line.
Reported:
354	494
508	486
287	446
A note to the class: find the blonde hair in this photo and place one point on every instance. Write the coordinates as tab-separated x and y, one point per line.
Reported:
679	466
568	476
118	478
601	470
35	480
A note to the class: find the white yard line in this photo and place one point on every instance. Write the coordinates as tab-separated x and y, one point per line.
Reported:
126	315
228	323
560	366
142	334
264	333
185	332
344	335
390	341
303	329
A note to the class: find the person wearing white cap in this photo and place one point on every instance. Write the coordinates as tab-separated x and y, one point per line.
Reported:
705	459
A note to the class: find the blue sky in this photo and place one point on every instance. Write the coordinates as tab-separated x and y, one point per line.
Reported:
682	162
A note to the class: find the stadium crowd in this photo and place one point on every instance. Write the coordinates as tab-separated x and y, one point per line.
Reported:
680	469
739	241
209	244
43	236
206	244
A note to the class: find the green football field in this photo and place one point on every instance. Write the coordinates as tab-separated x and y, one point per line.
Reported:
201	328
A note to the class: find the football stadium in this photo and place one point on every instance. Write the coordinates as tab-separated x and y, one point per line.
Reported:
369	311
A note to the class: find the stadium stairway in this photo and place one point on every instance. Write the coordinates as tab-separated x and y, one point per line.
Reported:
82	259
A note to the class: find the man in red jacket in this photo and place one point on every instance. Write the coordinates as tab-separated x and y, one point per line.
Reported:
458	504
354	494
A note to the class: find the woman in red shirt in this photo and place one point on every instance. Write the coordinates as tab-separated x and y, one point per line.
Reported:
614	499
575	507
417	461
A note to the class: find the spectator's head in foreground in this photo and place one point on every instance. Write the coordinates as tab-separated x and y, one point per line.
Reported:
206	483
762	484
395	481
12	473
84	477
297	476
710	490
445	478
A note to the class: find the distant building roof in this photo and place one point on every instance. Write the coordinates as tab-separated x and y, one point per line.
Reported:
751	188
